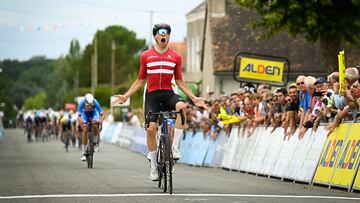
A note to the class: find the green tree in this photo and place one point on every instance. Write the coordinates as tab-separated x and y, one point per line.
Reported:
35	102
59	87
73	58
332	22
127	48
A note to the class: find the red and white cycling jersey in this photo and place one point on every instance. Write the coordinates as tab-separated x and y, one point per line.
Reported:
160	69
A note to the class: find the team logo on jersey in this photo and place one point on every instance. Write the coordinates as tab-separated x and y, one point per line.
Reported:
169	56
150	57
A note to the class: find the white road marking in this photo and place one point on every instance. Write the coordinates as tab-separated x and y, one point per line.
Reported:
176	195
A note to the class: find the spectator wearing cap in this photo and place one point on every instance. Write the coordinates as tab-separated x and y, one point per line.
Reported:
323	102
291	111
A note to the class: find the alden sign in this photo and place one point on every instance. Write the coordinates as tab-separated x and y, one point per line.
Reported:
260	69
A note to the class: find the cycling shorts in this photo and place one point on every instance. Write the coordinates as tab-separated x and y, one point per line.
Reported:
90	115
160	100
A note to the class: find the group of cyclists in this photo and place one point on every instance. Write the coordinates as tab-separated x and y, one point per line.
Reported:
69	126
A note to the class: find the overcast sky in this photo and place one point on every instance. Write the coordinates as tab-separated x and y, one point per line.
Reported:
45	27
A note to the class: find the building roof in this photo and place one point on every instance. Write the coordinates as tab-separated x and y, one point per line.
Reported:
179	47
198	8
231	35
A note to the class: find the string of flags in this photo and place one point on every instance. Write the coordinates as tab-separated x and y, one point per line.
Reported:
52	27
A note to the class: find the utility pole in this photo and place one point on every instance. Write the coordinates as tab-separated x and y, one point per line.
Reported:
92	74
151	25
77	82
94	69
113	48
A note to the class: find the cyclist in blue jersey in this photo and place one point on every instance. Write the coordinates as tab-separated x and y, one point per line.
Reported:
89	109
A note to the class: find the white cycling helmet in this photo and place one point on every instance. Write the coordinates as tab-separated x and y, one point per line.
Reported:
89	98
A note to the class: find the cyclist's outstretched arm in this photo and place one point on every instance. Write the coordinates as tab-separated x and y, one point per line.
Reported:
182	85
198	101
134	87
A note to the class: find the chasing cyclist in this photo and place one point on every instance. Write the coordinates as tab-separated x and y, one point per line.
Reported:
158	65
89	110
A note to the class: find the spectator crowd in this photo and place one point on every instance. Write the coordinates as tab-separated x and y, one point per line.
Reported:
304	104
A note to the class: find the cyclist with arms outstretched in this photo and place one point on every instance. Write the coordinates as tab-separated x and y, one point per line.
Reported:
89	111
158	65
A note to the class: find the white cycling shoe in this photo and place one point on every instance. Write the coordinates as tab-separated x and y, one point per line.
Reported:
176	153
148	156
154	176
83	157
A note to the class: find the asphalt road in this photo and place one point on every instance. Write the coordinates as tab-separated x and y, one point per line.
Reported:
44	172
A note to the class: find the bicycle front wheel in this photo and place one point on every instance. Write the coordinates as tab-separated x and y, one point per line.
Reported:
168	165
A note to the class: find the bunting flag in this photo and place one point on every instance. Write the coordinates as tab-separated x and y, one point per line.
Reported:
45	28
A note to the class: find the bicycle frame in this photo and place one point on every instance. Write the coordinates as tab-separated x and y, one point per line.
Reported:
165	160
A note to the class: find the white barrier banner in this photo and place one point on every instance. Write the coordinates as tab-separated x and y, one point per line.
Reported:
312	156
246	161
299	155
220	149
261	147
285	155
230	151
240	150
273	150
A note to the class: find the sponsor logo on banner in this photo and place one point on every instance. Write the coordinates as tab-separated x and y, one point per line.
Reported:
331	151
350	154
260	69
348	161
331	154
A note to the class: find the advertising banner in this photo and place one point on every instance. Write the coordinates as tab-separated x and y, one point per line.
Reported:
330	155
261	69
357	181
347	165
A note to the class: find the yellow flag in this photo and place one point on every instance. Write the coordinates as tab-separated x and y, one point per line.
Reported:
341	59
